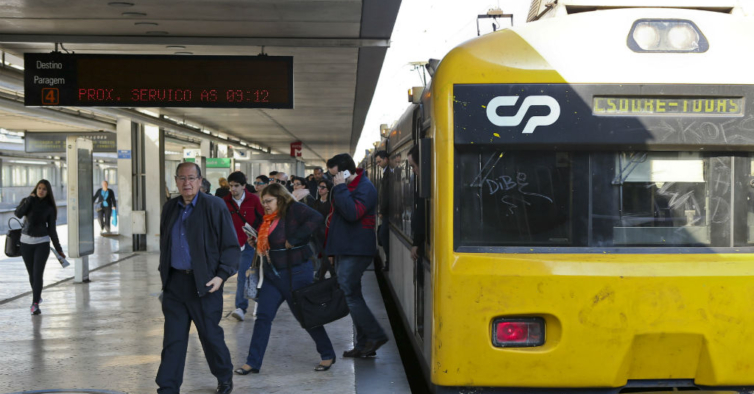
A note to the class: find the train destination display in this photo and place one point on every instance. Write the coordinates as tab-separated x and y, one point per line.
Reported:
675	106
92	80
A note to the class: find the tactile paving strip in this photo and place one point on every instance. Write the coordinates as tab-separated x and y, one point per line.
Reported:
70	391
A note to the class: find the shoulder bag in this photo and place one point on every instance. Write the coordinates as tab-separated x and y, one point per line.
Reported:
319	303
13	240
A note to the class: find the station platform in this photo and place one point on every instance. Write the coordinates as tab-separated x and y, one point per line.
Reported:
106	336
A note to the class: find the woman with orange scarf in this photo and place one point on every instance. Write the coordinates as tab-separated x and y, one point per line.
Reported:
282	239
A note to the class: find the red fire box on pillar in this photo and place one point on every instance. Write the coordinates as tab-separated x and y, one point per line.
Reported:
296	149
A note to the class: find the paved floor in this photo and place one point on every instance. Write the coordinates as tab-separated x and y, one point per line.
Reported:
107	335
12	283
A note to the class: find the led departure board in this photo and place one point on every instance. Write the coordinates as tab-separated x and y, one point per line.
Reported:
671	106
91	80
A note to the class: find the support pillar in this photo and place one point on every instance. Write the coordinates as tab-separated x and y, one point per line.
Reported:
125	185
154	160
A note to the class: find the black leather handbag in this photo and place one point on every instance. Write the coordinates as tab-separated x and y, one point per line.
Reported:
319	303
13	240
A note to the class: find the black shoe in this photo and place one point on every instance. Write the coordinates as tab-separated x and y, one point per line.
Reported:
225	388
321	368
357	353
35	309
242	371
371	347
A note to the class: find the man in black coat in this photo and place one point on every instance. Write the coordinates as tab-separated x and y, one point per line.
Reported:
198	252
383	233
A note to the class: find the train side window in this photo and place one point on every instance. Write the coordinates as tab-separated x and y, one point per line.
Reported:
19	176
111	175
34	174
513	198
7	176
401	192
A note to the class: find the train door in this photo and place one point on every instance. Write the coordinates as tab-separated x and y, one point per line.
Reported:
422	267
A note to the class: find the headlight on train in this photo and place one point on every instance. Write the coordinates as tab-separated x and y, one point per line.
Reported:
671	35
518	332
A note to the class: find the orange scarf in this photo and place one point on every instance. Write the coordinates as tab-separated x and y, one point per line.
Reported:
263	243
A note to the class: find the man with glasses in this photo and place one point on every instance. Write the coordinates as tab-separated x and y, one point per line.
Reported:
282	179
198	252
244	208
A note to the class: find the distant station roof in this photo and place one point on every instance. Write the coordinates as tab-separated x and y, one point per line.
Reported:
338	48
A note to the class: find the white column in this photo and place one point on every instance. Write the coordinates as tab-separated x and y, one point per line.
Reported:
154	156
125	186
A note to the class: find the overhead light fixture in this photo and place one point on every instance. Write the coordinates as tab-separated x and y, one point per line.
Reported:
120	4
157	33
184	53
26	162
133	14
175	47
146	24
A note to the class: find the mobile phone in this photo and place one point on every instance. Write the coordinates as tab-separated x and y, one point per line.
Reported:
346	174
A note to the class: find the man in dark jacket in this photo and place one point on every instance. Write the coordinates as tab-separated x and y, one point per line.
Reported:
198	252
351	241
382	231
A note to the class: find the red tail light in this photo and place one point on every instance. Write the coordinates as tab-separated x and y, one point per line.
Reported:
523	332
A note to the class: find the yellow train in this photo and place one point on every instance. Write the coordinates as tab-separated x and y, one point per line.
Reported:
589	184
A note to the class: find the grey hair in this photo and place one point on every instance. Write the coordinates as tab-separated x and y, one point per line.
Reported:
186	163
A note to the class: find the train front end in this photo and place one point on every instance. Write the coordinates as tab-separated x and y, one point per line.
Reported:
593	205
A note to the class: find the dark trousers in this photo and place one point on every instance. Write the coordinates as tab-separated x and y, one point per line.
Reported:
350	269
274	291
181	305
383	232
35	257
104	218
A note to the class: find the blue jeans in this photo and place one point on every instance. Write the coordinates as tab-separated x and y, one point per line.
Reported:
274	291
247	256
350	269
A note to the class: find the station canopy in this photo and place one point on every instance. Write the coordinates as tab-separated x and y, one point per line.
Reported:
338	47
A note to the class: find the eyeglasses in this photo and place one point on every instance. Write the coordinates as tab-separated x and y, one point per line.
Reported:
321	187
259	183
268	201
184	179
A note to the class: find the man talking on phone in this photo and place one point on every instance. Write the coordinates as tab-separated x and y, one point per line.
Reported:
351	242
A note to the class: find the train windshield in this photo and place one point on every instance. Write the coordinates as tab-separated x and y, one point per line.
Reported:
604	199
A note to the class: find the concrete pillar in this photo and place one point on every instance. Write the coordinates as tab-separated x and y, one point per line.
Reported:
154	160
206	147
125	185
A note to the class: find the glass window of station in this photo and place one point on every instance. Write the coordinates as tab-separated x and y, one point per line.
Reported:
603	199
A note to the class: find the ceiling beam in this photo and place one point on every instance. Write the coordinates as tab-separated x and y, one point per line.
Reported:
50	115
210	41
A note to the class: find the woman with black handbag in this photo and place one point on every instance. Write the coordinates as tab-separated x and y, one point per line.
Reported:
282	242
39	229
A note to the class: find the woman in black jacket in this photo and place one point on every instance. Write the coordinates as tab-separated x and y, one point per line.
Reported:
39	229
107	198
282	241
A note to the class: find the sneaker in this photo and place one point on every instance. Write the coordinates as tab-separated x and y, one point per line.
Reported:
238	314
35	309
